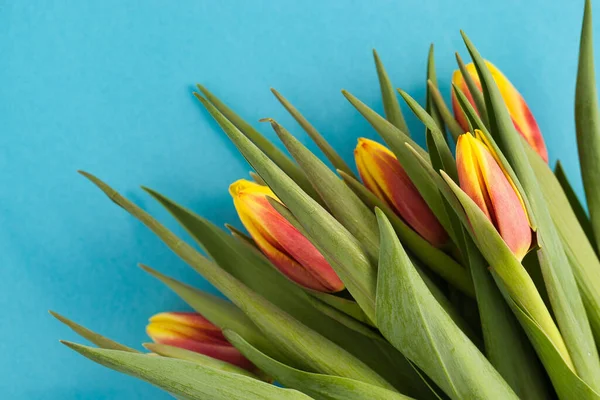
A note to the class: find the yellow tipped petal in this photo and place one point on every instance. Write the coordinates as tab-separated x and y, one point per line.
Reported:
383	175
292	253
482	178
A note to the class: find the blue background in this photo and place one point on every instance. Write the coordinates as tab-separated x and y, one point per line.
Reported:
106	86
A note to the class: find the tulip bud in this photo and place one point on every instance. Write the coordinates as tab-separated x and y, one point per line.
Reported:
383	175
191	331
521	115
292	253
484	180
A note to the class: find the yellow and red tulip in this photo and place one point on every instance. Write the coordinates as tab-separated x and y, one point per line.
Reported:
191	331
484	180
519	111
383	175
291	252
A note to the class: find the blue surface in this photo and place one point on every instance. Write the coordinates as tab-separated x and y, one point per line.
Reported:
106	86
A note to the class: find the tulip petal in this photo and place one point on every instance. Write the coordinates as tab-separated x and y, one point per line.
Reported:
384	176
482	178
519	112
292	253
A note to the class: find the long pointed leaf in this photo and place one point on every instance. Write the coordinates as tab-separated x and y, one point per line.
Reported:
412	320
332	155
578	248
316	385
444	111
391	106
587	121
576	206
430	105
187	379
188	355
92	336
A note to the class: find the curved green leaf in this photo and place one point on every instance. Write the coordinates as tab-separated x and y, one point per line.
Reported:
92	336
576	206
187	355
187	379
318	386
413	321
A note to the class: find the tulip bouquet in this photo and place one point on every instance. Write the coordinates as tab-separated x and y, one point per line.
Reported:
468	270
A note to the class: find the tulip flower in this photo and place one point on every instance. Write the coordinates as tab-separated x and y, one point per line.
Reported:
484	180
191	331
383	175
521	115
291	252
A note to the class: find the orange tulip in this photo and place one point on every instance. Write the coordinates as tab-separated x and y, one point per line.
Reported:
291	252
517	108
191	331
483	179
383	175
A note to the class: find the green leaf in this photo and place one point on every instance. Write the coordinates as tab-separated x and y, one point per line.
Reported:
438	136
453	126
435	259
187	379
335	159
187	355
391	106
342	250
256	178
559	278
348	307
576	206
506	347
318	386
580	252
587	121
92	336
306	347
567	384
345	319
242	237
396	140
413	321
345	206
476	93
430	106
282	161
